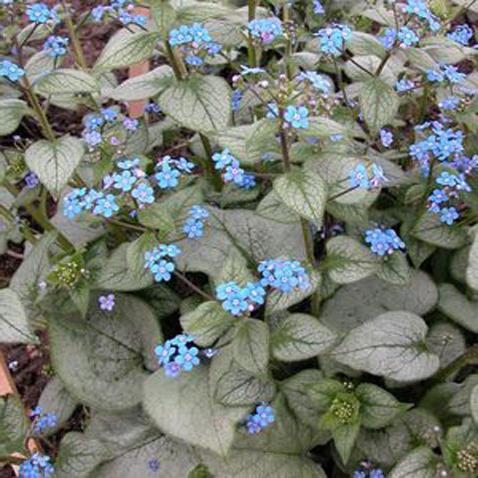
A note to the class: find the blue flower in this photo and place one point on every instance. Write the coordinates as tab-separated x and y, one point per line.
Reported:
124	181
319	82
317	7
198	212
444	73
180	36
164	352
420	9
332	39
156	263
448	215
194	60
131	124
245	70
236	304
94	121
359	177
110	114
56	45
11	71
407	37
227	290
187	358
389	37
154	464
128	163
450	104
172	369
143	193
386	137
404	85
283	275
462	34
107	302
40	13
106	206
266	29
37	466
236	100
254	293
383	241
31	180
162	270
193	229
297	117
261	418
167	178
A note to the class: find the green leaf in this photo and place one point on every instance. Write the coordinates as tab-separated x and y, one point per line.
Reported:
457	307
200	103
324	127
429	229
345	437
39	65
395	269
101	359
176	460
12	111
233	386
323	393
420	463
55	163
251	346
362	301
164	16
296	390
379	103
391	345
135	256
144	86
125	49
305	193
56	399
185	409
14	425
235	270
472	268
349	261
117	275
78	456
447	341
66	81
207	323
378	408
299	337
156	216
14	327
363	43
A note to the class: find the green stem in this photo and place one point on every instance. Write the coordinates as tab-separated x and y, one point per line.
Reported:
470	357
75	41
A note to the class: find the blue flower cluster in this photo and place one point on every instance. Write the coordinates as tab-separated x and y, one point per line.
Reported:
439	201
462	34
11	71
332	39
169	171
360	178
56	45
266	29
194	225
97	123
367	471
451	103
41	13
297	117
283	275
120	10
159	263
386	137
445	73
261	418
177	354
238	300
405	37
442	143
42	421
194	42
383	241
318	82
404	85
317	7
232	171
420	9
37	466
97	202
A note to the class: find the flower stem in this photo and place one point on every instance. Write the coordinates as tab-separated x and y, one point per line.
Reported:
470	357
